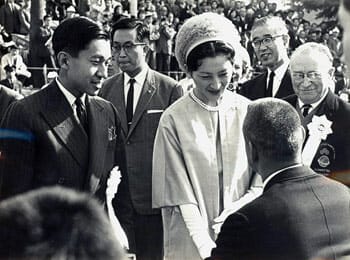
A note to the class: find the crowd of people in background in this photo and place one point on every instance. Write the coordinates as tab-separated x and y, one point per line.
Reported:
164	18
245	157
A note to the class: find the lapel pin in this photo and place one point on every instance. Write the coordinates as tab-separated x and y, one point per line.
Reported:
112	133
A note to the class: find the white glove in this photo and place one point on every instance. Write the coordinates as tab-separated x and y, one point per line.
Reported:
113	183
112	188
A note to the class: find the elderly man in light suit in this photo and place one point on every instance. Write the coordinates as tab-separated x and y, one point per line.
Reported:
140	94
63	134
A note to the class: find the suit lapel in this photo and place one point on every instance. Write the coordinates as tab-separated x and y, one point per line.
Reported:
59	115
285	88
119	98
261	86
98	142
148	90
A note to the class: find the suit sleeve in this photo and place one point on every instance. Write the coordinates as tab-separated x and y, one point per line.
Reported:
17	146
234	238
176	93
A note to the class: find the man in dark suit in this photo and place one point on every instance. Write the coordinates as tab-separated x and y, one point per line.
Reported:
270	41
141	95
7	96
10	17
300	214
63	134
323	114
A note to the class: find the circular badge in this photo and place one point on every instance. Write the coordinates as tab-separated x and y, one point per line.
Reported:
323	161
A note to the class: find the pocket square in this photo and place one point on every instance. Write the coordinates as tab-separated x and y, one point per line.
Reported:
153	111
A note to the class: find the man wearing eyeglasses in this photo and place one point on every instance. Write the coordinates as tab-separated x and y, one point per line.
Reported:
270	41
140	94
323	114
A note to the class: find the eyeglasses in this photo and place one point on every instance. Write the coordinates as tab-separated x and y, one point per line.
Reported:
266	41
299	76
128	46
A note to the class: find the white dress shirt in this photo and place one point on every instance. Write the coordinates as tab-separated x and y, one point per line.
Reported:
139	81
315	104
279	74
70	98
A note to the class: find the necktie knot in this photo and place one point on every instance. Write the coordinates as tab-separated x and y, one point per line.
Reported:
305	109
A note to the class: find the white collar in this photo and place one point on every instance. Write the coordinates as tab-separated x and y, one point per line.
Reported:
280	71
69	96
315	104
279	171
139	78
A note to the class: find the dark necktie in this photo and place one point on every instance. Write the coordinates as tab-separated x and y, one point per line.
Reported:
130	102
305	109
81	113
270	85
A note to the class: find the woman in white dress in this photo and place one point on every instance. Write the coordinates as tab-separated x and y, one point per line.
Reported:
200	170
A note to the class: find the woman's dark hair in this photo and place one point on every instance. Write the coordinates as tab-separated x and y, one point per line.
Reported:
208	49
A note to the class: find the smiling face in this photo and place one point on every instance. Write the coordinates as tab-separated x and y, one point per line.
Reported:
311	90
87	71
271	55
211	78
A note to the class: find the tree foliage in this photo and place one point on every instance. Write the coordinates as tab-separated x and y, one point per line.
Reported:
327	9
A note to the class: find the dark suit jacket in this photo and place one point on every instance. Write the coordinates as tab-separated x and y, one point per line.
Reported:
255	88
10	19
6	83
45	145
333	155
300	215
7	96
158	92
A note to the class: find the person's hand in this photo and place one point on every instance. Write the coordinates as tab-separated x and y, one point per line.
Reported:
222	217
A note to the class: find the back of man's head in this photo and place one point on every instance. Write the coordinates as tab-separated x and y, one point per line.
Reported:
274	128
56	223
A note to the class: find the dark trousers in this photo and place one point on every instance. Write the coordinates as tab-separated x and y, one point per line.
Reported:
148	237
145	235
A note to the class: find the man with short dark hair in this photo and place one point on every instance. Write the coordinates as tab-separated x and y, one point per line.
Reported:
140	94
63	134
270	41
301	214
56	223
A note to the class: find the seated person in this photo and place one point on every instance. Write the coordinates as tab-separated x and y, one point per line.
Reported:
11	80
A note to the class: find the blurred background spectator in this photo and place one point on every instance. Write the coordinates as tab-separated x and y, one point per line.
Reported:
303	25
